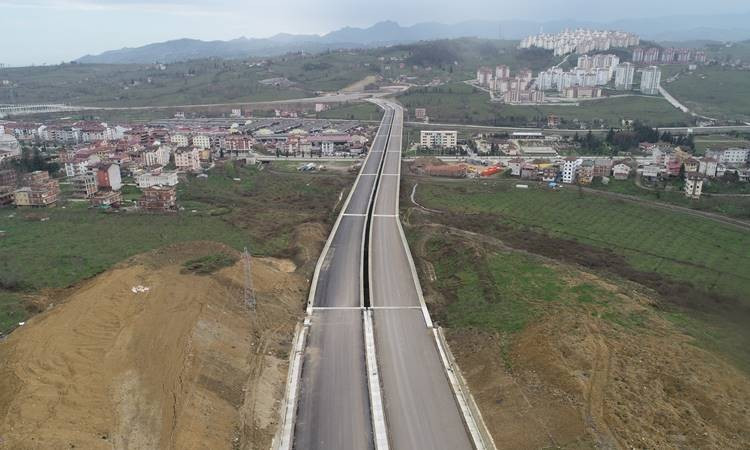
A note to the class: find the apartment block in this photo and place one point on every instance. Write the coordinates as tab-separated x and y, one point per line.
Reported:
438	138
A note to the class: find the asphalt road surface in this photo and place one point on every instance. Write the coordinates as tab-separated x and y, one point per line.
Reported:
333	411
421	411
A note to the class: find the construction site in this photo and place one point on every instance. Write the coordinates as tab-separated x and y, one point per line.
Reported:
145	356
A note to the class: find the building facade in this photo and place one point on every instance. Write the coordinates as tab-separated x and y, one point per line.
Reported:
445	139
624	75
650	80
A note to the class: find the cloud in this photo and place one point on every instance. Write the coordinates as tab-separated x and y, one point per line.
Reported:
172	7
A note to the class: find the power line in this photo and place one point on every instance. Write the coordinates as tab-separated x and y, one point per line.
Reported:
249	294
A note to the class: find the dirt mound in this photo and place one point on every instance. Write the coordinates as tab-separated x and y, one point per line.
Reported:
419	164
574	379
177	362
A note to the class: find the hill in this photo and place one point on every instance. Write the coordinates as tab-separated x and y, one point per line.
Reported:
674	28
206	81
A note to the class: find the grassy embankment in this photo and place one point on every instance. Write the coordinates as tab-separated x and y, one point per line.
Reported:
75	242
696	267
714	91
672	193
460	103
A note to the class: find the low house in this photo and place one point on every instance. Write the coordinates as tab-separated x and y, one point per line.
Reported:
549	174
108	176
652	171
707	166
672	166
585	173
6	195
602	167
85	186
39	190
188	160
515	165
691	165
621	171
8	177
147	180
158	199
107	198
529	171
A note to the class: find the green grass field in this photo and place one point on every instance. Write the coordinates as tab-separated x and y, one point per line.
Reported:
710	255
74	242
715	92
738	207
718	142
460	103
355	111
12	311
497	291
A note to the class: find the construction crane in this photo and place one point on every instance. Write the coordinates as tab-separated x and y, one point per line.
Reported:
249	294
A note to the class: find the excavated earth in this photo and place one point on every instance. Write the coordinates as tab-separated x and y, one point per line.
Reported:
182	365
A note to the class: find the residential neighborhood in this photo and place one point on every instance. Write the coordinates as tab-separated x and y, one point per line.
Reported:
98	159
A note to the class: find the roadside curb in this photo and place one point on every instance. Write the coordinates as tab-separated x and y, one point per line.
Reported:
480	436
283	438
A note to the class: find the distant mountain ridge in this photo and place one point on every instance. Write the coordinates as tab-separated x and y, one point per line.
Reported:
733	27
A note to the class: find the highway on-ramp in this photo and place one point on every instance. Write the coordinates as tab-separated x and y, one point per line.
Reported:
333	411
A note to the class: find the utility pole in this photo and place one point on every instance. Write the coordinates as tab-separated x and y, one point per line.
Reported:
249	294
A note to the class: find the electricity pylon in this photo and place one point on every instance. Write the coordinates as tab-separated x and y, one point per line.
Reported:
249	294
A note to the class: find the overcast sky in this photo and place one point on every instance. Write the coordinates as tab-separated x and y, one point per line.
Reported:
51	31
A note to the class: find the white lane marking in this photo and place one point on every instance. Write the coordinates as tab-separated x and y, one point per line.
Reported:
336	308
373	380
385	215
354	215
390	174
368	174
394	307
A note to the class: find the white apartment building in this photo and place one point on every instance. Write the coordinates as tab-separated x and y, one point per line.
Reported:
202	141
734	156
581	41
180	140
147	180
650	80
708	167
693	186
327	148
158	157
624	74
80	166
502	72
484	76
438	138
188	160
570	168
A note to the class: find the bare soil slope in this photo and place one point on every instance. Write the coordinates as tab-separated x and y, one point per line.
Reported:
608	372
183	365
